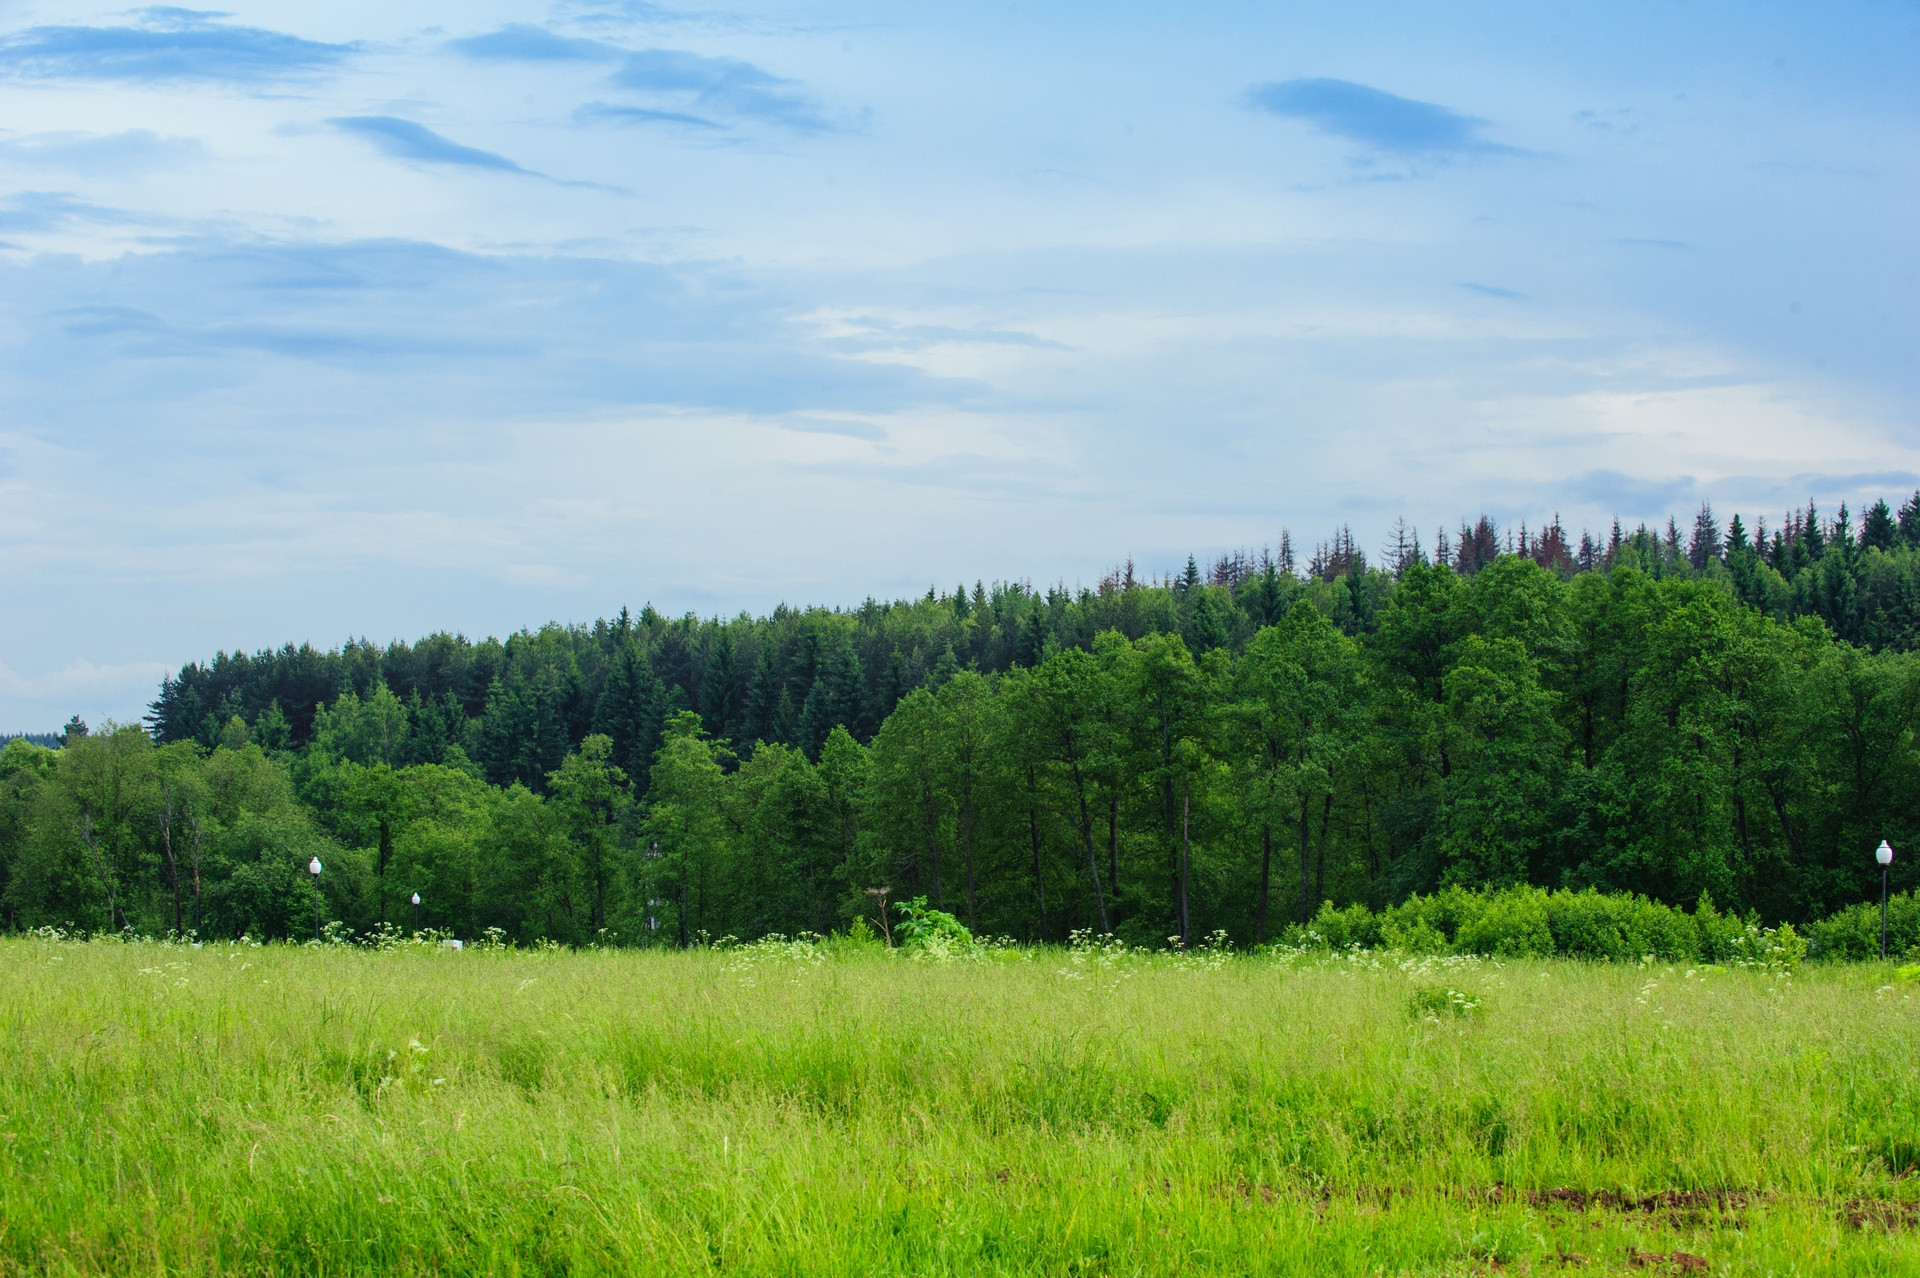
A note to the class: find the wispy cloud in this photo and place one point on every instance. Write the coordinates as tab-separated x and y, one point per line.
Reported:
639	12
167	46
1375	118
871	332
515	334
1630	496
53	210
80	677
98	153
1491	290
416	143
521	42
406	140
614	113
722	86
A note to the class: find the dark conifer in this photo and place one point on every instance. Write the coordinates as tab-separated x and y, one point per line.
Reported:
1703	547
1877	530
1813	535
1910	520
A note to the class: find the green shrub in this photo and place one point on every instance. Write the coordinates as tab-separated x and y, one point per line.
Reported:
1716	935
1854	932
1626	926
1339	929
922	926
1443	913
1614	927
1513	924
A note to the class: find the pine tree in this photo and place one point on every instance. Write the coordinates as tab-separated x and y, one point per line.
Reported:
1812	535
630	709
1843	533
1877	530
1589	556
1704	545
1910	519
834	699
717	694
1400	548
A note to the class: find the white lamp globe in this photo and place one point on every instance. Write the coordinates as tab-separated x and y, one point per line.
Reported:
1884	853
416	898
313	867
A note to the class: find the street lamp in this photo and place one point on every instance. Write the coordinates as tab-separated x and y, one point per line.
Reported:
416	912
313	869
1884	855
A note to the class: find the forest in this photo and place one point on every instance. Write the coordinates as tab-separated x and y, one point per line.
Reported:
1680	712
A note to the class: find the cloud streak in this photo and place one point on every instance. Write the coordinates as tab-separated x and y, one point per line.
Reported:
31	211
1376	119
722	86
520	42
407	140
111	154
615	113
169	46
415	143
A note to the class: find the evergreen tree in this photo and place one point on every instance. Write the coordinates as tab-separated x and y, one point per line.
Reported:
834	700
630	709
1909	520
1704	546
1877	530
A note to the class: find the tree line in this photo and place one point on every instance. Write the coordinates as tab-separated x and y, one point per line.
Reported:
1728	712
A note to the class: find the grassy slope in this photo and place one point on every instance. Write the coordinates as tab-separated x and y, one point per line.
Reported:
281	1109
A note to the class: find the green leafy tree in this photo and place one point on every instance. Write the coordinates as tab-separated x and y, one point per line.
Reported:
1297	712
590	797
686	820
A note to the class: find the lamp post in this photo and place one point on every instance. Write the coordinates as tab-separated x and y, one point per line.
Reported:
313	869
1884	855
416	913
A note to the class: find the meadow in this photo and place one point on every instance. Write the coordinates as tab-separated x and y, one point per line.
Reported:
834	1108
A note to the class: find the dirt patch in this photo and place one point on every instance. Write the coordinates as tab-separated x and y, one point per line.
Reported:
1881	1213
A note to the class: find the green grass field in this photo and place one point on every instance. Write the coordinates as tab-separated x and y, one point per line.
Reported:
166	1109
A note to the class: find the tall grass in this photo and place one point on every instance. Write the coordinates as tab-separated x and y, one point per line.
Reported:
794	1109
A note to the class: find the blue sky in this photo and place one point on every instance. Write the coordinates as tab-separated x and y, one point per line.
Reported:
321	321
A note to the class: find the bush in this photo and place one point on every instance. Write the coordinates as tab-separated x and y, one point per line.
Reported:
1339	929
1590	924
1854	932
1717	935
1428	924
1623	927
923	927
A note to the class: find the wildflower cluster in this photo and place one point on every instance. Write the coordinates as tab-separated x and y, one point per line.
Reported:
1101	961
1440	1002
1210	955
774	953
1774	949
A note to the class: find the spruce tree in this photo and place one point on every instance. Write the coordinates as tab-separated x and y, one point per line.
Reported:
1910	519
1877	530
1703	546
